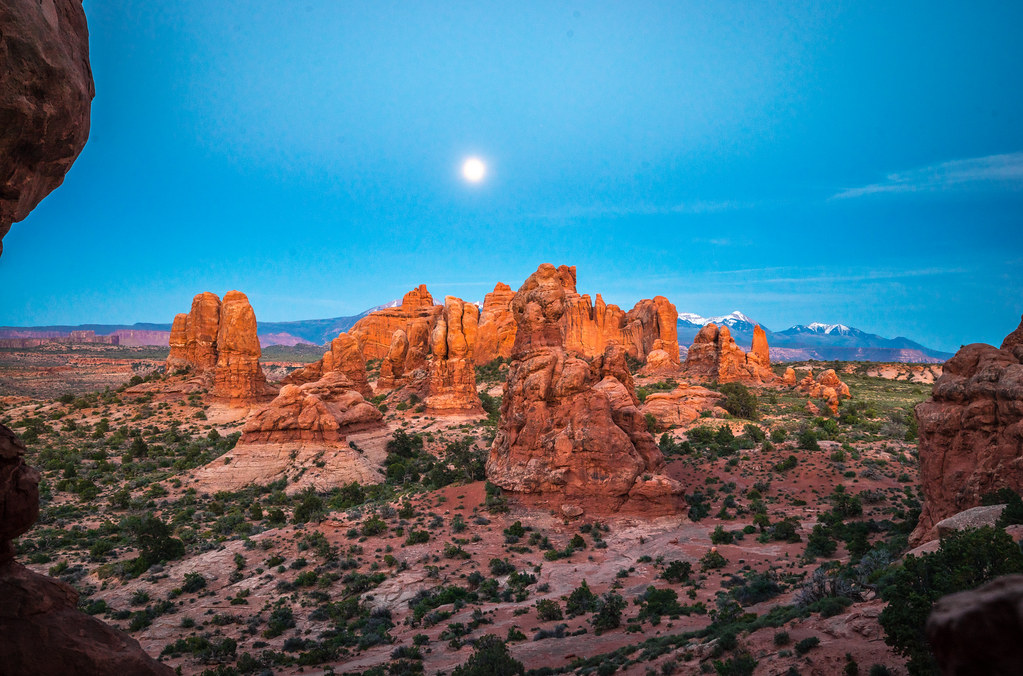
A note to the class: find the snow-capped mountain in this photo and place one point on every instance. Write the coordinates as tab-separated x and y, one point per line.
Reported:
817	340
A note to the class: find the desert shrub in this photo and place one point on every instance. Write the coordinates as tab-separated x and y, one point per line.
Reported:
806	645
677	571
580	601
548	610
609	613
490	657
739	401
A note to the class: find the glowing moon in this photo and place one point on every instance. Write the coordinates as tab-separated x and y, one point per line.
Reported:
474	170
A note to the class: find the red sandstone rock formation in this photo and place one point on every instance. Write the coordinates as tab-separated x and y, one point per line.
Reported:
789	378
375	330
46	93
392	369
452	384
178	357
971	431
826	386
218	341
324	410
201	331
760	352
300	436
43	631
496	333
571	431
344	356
238	374
681	406
715	356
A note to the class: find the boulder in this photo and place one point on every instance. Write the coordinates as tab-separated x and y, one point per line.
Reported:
826	386
571	432
46	93
975	517
979	631
971	431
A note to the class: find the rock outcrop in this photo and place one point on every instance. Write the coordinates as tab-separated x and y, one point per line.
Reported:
681	406
452	384
392	368
971	431
374	331
217	341
571	432
714	356
826	386
302	436
589	327
46	93
43	631
344	356
237	374
979	631
495	335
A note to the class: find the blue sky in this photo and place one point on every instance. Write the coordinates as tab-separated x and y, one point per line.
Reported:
859	163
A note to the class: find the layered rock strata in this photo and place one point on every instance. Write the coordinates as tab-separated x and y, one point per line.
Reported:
452	383
714	356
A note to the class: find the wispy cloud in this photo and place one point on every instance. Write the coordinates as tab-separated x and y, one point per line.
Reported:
1004	169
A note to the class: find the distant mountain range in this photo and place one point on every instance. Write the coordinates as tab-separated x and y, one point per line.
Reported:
823	342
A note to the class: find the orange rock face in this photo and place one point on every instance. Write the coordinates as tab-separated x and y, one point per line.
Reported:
218	341
452	384
375	330
344	356
971	431
681	406
324	410
238	374
715	356
496	333
826	386
760	352
201	329
571	431
392	369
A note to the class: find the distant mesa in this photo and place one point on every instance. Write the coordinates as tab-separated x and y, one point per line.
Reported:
571	434
971	431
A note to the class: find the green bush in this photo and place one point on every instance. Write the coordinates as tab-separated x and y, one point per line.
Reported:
739	401
964	560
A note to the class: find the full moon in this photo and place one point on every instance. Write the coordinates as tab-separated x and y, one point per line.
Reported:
473	169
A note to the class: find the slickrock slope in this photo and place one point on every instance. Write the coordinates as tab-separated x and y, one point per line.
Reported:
715	356
43	631
495	335
344	356
571	432
971	431
682	405
46	93
826	386
218	341
375	330
301	435
452	385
